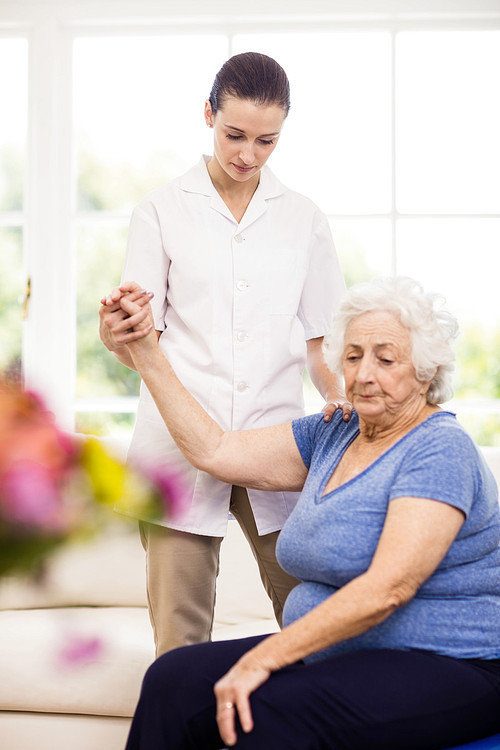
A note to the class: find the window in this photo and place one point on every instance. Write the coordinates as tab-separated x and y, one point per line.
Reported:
408	173
136	126
392	131
448	196
13	125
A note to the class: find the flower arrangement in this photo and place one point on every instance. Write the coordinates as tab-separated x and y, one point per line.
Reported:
56	487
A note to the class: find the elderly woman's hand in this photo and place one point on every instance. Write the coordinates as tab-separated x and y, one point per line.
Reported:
233	695
115	322
331	407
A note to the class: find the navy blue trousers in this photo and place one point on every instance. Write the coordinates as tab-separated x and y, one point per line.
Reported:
366	700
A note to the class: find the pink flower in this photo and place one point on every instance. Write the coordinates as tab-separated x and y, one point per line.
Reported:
80	650
171	487
30	496
54	486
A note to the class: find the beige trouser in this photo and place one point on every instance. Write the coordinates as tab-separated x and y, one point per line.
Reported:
181	570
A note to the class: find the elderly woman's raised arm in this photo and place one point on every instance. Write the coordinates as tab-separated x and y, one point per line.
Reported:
265	458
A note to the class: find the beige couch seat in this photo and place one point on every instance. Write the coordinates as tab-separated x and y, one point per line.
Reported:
74	648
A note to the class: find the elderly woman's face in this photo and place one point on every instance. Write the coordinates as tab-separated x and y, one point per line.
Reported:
379	375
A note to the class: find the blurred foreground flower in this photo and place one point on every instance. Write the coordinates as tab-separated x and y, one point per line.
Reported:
79	650
55	487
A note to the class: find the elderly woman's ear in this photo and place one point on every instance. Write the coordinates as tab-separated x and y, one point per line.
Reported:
426	388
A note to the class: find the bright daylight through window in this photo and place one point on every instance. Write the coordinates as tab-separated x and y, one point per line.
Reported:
13	124
393	132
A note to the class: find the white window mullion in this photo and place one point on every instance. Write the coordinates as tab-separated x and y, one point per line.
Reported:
49	361
394	211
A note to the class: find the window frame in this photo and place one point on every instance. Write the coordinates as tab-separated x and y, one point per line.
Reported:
49	217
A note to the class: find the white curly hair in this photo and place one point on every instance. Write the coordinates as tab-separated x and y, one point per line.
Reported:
432	328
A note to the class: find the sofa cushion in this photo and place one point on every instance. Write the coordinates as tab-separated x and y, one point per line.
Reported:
62	731
75	660
109	570
104	570
91	660
84	660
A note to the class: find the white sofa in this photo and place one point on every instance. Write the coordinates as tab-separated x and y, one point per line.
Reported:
74	648
73	651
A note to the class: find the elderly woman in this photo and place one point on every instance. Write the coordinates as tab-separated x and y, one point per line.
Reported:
392	640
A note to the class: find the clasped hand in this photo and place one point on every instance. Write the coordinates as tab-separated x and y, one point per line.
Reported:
125	316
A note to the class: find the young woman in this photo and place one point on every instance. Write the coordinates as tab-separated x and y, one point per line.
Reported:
245	280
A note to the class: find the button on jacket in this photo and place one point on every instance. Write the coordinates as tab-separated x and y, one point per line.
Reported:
235	304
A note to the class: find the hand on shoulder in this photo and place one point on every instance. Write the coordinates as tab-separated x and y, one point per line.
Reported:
331	407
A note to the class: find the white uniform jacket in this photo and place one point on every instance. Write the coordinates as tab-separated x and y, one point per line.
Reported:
236	303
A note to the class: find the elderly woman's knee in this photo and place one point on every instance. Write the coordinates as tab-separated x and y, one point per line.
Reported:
170	673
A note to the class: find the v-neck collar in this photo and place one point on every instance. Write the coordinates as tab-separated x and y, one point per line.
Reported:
342	449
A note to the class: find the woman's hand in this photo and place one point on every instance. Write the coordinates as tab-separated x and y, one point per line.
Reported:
233	695
331	407
119	326
326	382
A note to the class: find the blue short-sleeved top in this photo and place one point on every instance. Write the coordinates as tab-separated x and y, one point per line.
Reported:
329	540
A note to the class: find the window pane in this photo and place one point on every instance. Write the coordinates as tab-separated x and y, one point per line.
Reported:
335	146
448	121
11	293
100	252
364	248
460	258
138	113
13	121
483	425
104	423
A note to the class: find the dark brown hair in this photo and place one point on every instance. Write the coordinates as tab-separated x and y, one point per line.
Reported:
252	76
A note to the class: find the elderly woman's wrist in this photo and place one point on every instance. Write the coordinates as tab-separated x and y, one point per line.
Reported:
270	654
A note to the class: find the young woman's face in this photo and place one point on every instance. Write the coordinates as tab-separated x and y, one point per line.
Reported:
245	135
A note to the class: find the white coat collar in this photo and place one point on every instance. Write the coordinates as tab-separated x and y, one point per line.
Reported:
197	180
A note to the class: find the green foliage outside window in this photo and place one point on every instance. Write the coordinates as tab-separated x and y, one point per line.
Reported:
111	184
11	290
100	252
100	247
11	178
478	356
